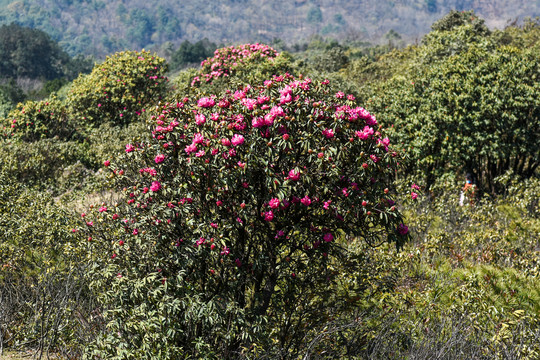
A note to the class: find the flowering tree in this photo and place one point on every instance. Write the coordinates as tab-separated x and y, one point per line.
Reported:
228	60
234	206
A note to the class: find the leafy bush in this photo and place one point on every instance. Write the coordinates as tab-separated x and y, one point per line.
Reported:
465	105
118	90
35	120
44	303
233	212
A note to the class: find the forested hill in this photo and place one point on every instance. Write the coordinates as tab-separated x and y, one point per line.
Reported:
100	27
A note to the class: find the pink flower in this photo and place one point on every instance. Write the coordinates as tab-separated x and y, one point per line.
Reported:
306	200
103	209
269	215
106	163
89	223
156	186
200	153
129	148
159	158
415	187
293	175
198	138
414	195
249	103
277	111
206	102
237	140
191	148
257	122
340	95
328	237
219	203
238	262
226	142
225	251
135	231
329	133
214	225
274	203
200	119
326	204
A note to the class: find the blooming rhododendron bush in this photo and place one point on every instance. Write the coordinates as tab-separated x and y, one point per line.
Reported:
234	210
233	65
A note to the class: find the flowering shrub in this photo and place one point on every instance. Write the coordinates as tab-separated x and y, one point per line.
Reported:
119	89
235	207
35	120
227	60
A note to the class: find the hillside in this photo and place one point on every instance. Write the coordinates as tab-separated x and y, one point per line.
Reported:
100	27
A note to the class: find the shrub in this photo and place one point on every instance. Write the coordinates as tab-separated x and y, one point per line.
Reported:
35	120
237	66
44	304
233	212
119	89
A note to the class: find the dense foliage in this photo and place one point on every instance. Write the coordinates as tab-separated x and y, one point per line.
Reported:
118	90
464	103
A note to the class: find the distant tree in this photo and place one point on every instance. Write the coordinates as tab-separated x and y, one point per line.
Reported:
189	53
314	15
30	53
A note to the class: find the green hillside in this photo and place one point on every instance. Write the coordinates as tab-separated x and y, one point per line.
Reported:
100	27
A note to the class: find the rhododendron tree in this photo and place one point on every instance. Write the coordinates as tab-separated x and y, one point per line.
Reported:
237	66
227	220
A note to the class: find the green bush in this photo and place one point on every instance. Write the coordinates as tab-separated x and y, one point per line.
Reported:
119	90
44	302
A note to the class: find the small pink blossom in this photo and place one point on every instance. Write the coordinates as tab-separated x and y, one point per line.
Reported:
340	95
225	251
200	119
106	163
293	175
198	138
274	203
329	133
328	237
135	232
102	209
237	140
326	204
159	158
269	215
129	148
156	186
226	142
206	102
306	200
414	195
191	148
